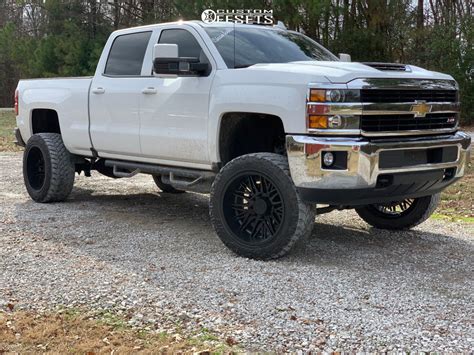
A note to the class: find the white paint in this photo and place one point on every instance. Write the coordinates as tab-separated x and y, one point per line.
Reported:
165	50
176	120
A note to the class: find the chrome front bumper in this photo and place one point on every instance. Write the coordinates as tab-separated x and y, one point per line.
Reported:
363	165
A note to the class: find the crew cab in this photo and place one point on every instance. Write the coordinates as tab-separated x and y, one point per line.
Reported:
271	124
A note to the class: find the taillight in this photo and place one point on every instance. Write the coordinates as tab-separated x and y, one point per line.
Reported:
16	102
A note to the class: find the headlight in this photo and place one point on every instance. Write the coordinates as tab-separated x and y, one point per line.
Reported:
333	122
334	95
322	101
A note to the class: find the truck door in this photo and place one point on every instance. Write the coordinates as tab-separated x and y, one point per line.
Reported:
174	110
115	95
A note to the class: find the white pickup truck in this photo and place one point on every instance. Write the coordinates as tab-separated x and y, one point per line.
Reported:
273	125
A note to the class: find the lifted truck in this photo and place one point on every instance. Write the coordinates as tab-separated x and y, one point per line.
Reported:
266	120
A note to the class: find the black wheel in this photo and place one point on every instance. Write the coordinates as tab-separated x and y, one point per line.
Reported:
255	208
400	214
48	170
165	187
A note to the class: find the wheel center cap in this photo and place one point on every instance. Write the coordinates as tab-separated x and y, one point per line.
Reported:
260	207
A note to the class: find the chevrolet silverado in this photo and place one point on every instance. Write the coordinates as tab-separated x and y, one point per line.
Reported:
271	124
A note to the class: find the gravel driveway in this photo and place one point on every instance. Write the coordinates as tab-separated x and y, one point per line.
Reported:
122	245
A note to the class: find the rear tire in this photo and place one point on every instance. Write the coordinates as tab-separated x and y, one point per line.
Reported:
255	208
48	169
399	215
165	187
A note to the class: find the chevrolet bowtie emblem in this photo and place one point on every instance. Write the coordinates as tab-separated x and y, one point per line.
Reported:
420	108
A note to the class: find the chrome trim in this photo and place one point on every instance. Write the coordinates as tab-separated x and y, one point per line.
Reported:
330	132
402	83
367	108
418	132
390	83
406	108
363	159
401	108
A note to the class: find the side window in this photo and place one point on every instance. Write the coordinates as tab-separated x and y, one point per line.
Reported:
188	46
127	53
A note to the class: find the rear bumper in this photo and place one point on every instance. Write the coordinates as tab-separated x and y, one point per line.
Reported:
376	170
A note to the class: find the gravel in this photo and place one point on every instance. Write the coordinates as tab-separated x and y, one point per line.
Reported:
122	246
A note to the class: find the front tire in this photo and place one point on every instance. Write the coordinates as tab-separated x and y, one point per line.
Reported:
48	169
399	215
255	208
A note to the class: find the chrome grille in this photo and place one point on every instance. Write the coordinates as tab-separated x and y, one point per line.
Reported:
410	95
407	122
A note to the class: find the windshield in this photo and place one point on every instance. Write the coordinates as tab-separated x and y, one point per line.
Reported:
242	47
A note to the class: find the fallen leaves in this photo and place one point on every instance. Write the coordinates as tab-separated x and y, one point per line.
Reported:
231	341
28	332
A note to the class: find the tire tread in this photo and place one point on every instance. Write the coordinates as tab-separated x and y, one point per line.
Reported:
62	168
419	214
305	212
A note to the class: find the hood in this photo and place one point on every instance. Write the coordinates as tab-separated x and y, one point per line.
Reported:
344	72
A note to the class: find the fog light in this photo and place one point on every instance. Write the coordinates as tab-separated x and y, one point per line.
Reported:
328	159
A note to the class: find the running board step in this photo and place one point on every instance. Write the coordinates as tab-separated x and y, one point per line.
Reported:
179	178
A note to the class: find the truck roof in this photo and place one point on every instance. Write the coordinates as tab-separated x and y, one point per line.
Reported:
202	24
239	25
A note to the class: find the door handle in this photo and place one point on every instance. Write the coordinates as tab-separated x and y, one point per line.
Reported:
149	91
98	91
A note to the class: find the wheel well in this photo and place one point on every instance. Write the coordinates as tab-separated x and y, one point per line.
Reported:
243	133
45	121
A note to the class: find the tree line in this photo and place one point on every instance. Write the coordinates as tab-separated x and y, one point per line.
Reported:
46	38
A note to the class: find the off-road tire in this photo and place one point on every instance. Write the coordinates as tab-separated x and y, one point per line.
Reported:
165	187
48	150
298	216
419	212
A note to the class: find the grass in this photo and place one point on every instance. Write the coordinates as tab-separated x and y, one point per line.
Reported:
74	331
7	124
452	217
457	201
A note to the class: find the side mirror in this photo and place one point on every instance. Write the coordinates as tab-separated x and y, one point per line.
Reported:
166	61
343	57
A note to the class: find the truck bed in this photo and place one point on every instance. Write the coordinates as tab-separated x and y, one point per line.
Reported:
69	98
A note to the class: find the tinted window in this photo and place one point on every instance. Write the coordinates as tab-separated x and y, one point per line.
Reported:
247	46
188	46
127	53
